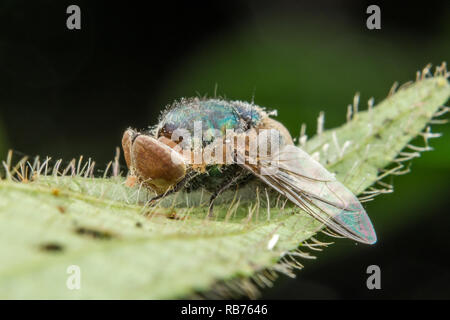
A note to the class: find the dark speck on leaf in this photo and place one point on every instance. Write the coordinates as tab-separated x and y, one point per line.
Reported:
95	234
388	121
51	247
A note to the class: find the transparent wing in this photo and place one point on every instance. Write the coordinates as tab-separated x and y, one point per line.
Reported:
304	181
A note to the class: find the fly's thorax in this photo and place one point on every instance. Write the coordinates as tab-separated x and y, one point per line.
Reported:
187	114
191	119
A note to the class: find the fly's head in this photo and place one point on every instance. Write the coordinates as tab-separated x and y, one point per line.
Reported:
153	161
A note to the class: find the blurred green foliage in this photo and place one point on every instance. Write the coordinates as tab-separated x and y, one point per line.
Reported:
3	145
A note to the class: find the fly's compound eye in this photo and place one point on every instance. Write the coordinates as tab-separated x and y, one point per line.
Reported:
154	162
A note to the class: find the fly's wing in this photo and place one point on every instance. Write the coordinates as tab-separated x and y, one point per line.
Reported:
304	181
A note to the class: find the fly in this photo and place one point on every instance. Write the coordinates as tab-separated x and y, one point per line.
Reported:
216	144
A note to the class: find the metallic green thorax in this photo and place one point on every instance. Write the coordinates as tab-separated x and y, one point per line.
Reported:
214	114
217	115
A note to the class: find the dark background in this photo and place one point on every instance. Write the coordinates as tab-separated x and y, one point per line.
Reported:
65	93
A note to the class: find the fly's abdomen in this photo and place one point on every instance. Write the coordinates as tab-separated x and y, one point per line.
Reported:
216	176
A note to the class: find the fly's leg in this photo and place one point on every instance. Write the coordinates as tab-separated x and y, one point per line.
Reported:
227	184
180	185
162	195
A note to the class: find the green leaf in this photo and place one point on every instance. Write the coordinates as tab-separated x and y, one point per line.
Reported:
126	249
